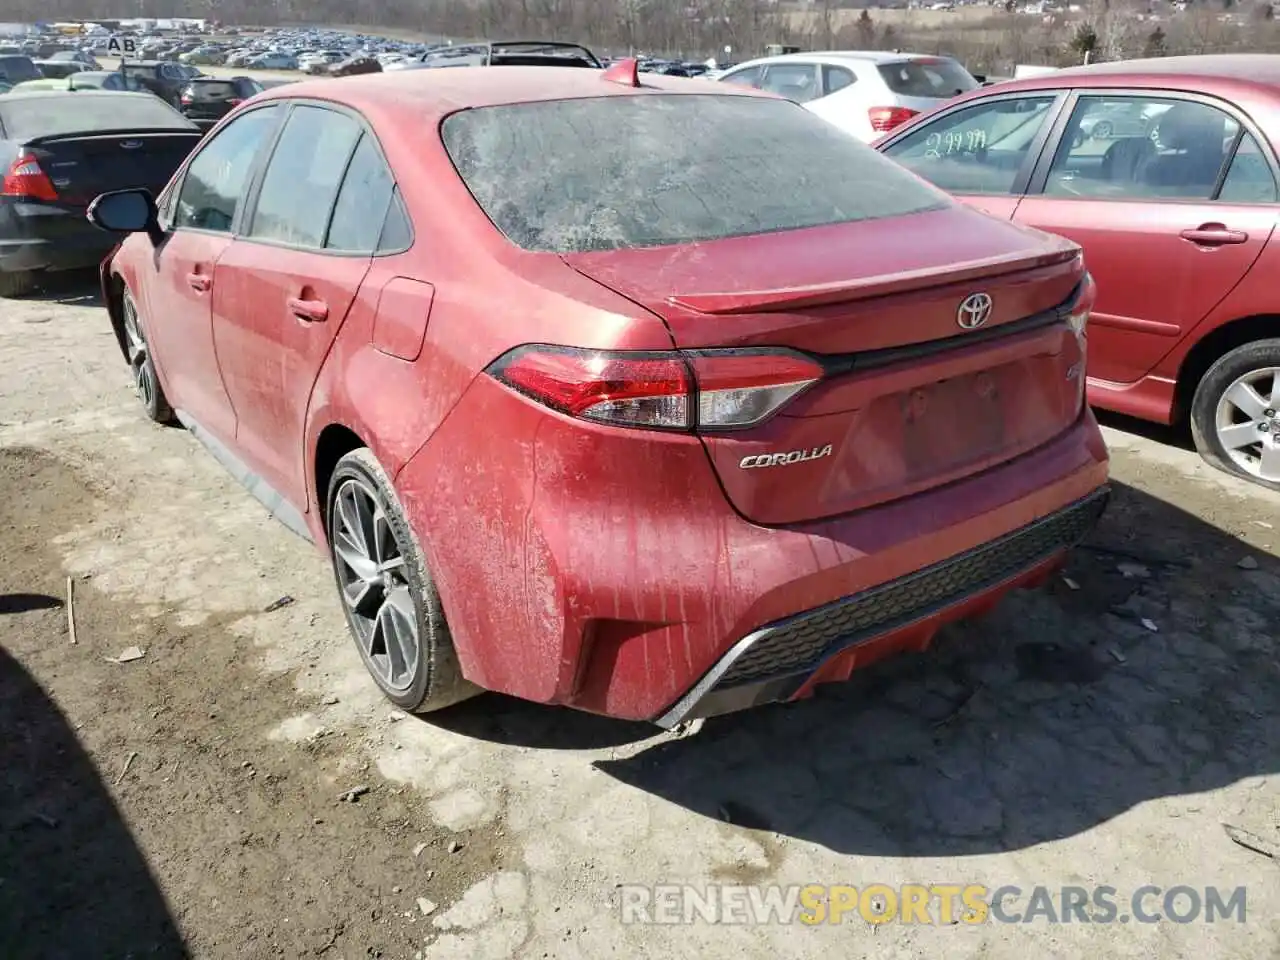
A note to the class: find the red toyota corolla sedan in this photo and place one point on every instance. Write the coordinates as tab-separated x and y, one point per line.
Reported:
596	396
1165	172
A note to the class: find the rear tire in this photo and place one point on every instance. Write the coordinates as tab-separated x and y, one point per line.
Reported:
1235	422
142	364
16	283
390	600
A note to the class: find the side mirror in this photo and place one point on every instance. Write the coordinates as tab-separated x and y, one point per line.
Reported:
125	211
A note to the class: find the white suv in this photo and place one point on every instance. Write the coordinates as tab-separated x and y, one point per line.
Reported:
864	93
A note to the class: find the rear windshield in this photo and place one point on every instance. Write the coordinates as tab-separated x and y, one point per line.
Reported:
42	116
934	77
213	89
637	171
18	69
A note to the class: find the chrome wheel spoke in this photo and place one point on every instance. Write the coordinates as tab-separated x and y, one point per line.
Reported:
1246	399
370	567
1239	435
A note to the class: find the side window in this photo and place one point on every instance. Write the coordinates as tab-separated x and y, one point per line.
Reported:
836	78
749	77
362	202
1141	148
397	234
977	150
1249	178
795	81
303	175
216	178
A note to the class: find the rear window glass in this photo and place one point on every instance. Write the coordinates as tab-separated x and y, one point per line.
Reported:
213	90
927	78
612	172
43	116
18	69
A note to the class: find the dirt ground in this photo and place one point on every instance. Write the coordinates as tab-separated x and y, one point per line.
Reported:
239	790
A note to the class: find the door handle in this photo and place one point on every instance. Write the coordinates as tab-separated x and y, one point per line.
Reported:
1213	235
310	311
199	282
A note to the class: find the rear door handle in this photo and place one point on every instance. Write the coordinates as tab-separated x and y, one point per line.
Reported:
1214	235
199	282
312	311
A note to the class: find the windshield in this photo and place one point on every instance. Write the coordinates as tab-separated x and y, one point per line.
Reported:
935	77
43	116
613	172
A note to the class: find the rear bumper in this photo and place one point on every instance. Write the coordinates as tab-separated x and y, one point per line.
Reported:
604	569
784	659
37	236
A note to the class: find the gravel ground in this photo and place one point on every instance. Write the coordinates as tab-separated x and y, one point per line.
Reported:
239	790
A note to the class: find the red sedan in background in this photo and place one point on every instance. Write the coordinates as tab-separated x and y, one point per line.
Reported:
595	397
1165	172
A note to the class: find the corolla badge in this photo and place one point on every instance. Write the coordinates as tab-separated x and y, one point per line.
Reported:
784	459
975	310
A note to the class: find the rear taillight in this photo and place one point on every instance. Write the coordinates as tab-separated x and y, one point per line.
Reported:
25	179
884	119
1078	319
186	98
703	390
235	101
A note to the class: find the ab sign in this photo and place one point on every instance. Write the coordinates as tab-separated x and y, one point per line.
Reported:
121	47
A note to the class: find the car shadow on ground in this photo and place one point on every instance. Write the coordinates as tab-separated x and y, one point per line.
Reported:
518	723
76	288
1145	672
1171	436
73	882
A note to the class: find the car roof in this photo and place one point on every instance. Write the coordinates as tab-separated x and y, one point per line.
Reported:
1255	70
63	93
837	57
436	93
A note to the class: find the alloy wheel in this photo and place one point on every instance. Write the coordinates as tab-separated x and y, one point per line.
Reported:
144	373
375	589
1247	423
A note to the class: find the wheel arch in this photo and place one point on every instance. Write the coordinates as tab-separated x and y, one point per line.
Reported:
334	442
113	292
1215	344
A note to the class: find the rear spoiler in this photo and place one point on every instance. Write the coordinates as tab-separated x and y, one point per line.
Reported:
844	291
51	138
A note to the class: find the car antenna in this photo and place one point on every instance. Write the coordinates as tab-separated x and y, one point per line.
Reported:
625	72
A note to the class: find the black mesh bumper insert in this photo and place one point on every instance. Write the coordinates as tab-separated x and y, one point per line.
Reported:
800	643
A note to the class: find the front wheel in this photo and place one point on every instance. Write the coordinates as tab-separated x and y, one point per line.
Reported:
1235	414
142	364
388	595
1102	130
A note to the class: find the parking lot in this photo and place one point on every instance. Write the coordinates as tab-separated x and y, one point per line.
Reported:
241	790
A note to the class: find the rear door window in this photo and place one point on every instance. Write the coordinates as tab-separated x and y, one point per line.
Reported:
1249	178
363	201
797	82
836	78
1141	148
302	178
651	170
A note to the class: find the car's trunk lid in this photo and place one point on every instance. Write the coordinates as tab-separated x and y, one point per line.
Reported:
81	166
911	398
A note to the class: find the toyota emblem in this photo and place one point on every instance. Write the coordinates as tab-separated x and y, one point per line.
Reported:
975	310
